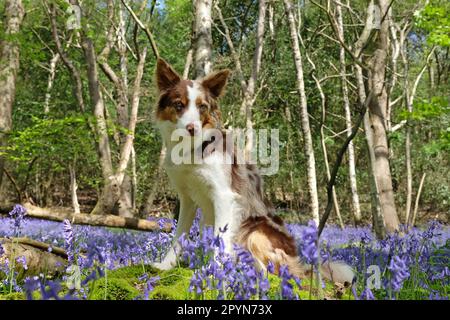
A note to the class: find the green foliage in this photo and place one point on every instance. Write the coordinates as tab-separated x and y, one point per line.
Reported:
435	19
427	109
62	139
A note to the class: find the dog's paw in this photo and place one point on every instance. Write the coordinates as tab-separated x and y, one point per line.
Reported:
162	265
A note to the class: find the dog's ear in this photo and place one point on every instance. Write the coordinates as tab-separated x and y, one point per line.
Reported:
166	76
215	82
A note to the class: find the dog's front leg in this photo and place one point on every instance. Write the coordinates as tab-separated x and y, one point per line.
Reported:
225	219
186	217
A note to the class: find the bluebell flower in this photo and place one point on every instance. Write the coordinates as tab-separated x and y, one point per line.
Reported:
22	260
399	272
150	286
435	295
17	214
69	241
309	243
367	294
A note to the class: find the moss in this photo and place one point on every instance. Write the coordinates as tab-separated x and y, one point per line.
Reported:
175	275
328	292
175	291
13	296
132	272
173	285
116	289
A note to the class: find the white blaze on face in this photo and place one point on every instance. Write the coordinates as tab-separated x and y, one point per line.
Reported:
191	115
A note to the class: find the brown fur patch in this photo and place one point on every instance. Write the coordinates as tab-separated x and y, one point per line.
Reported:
267	243
216	82
280	240
168	100
166	76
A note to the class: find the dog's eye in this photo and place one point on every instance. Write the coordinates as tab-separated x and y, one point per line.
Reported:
203	107
178	106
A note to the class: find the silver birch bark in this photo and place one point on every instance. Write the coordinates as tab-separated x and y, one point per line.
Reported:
377	116
348	121
202	38
248	87
309	151
73	188
51	78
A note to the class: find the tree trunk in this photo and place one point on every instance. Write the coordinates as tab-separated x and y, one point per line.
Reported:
248	87
110	191
73	188
377	217
202	38
9	66
147	206
309	151
416	205
51	79
249	94
348	121
377	116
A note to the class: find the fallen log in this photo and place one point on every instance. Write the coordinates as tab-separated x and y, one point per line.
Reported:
41	246
108	220
38	259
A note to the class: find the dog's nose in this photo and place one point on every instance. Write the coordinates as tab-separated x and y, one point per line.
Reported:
191	128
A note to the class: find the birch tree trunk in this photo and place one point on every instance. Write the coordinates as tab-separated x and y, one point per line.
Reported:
377	116
51	79
309	151
248	87
348	121
408	136
9	66
249	94
202	38
377	217
73	188
110	191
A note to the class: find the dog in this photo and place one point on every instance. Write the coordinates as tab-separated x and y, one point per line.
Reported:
230	194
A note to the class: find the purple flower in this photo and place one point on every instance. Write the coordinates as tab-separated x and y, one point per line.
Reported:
435	295
150	286
270	267
22	260
309	243
399	272
30	285
17	214
367	294
68	237
287	289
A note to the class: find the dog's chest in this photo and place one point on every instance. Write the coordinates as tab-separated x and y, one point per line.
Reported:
204	180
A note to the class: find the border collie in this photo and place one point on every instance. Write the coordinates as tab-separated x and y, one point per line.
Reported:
230	194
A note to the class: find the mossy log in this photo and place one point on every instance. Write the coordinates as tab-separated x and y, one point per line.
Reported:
38	258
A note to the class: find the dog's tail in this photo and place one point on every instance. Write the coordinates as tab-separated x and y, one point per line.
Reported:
268	241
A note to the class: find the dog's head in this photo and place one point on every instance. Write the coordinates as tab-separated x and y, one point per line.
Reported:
189	104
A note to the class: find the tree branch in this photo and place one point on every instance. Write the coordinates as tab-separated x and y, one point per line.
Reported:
337	164
143	27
